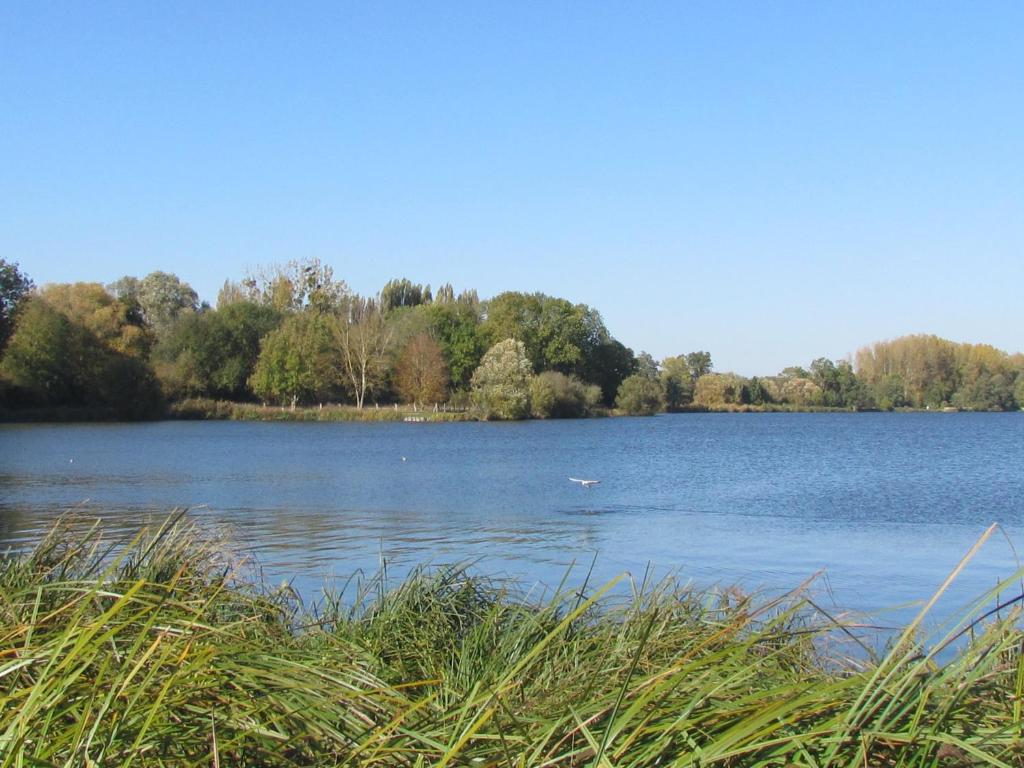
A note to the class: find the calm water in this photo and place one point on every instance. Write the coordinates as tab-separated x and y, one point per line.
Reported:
886	503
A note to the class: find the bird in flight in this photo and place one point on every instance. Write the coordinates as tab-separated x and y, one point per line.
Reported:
585	483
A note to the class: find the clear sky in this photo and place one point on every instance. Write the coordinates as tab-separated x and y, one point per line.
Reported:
772	182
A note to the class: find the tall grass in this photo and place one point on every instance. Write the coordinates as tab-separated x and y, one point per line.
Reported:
164	651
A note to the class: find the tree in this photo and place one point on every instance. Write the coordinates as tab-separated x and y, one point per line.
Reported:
421	375
214	354
501	383
560	336
297	362
455	326
647	365
986	392
403	293
932	372
363	338
716	389
42	358
115	322
14	287
297	285
609	365
52	359
231	293
852	391
676	381
639	395
160	298
557	396
699	364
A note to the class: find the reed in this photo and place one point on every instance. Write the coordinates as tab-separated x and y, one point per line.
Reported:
167	650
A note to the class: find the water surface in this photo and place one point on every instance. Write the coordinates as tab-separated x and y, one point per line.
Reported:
885	503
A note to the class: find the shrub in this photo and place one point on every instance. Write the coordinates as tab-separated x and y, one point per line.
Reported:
501	383
554	395
640	396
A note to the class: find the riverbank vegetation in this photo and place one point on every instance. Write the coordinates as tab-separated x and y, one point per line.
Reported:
295	336
170	651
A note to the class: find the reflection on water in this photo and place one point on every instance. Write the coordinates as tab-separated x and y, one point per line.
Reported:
887	503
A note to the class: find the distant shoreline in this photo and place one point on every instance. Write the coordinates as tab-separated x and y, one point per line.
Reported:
222	410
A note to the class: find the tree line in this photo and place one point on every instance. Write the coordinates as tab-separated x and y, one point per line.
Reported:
295	334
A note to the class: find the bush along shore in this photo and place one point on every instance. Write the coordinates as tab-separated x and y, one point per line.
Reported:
162	652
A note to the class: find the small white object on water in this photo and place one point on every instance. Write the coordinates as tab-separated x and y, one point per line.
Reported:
585	483
403	458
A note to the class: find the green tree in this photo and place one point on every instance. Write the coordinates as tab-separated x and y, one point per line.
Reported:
986	392
14	287
421	374
699	364
676	381
758	392
456	327
557	396
52	359
560	336
298	361
214	354
400	293
853	393
608	365
639	395
501	383
888	392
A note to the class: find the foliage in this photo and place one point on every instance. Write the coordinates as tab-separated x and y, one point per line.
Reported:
397	294
14	287
421	375
647	366
163	651
612	361
676	382
501	383
297	361
716	389
295	286
455	325
559	336
160	298
699	364
640	395
53	359
557	396
926	371
363	336
113	321
214	354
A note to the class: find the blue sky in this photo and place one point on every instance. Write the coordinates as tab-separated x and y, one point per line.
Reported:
773	182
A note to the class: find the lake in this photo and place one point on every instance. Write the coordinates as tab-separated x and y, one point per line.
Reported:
885	503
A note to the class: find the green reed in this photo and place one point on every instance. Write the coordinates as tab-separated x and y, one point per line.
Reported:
167	650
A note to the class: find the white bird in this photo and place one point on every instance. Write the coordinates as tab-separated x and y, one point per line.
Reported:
585	483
